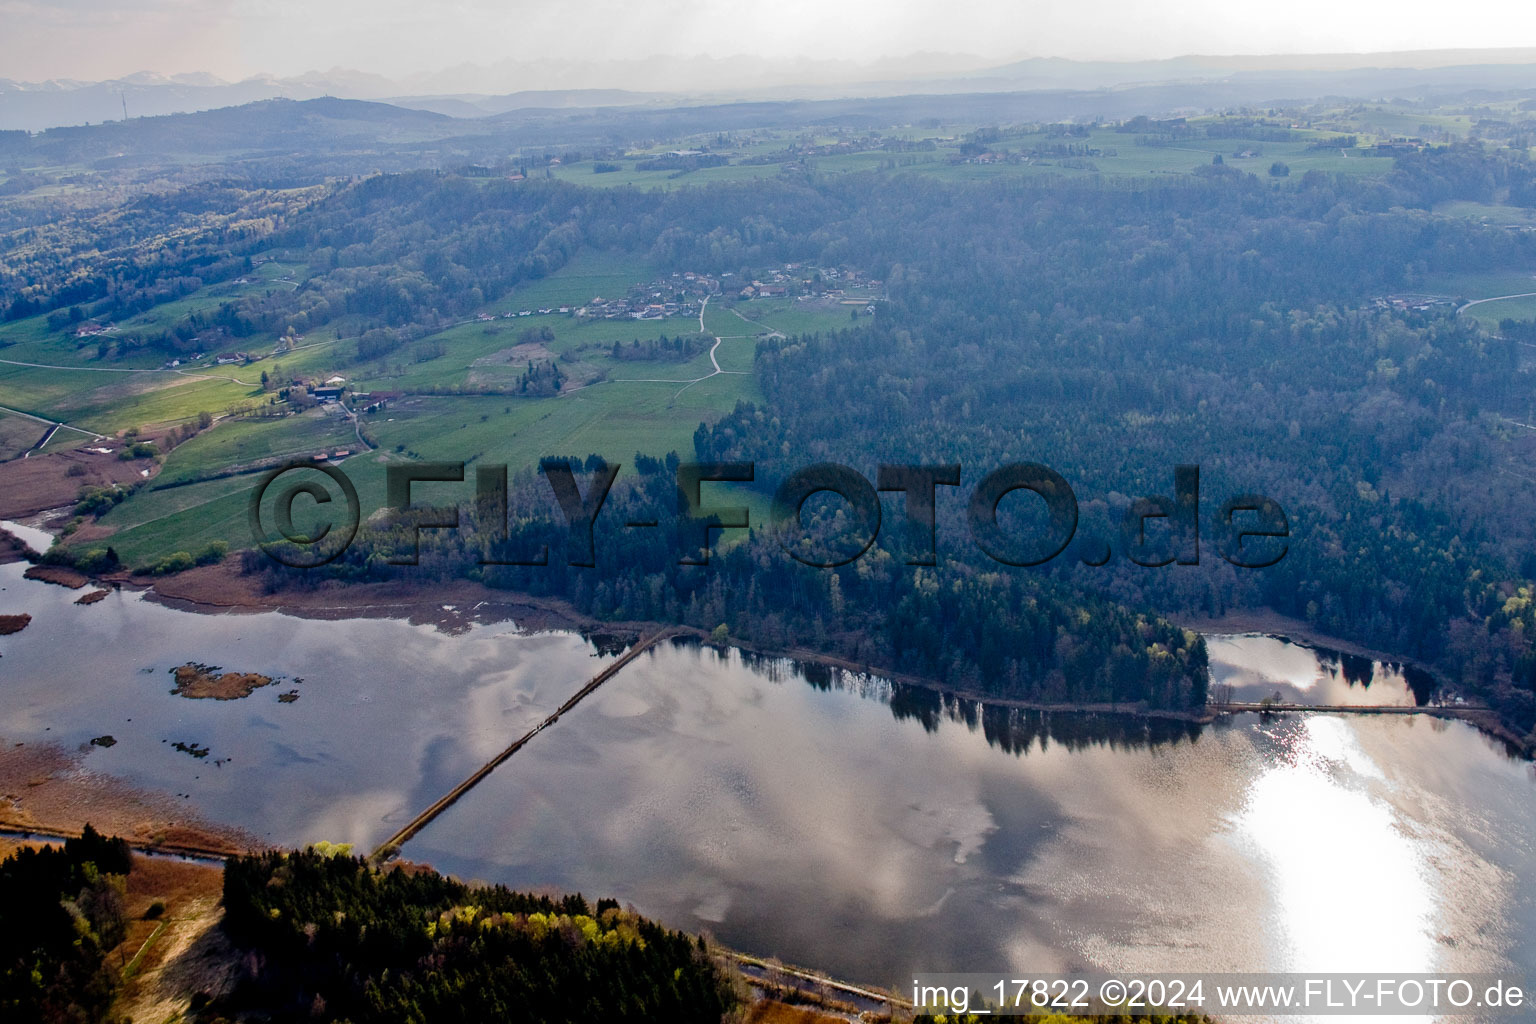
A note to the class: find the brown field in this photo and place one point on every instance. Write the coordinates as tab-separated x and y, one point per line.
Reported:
45	788
13	623
222	587
769	1012
28	486
94	596
57	574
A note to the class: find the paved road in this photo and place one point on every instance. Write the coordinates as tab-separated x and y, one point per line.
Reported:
1496	298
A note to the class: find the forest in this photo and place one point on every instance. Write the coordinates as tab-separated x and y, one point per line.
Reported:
336	939
965	625
1111	331
1110	327
61	911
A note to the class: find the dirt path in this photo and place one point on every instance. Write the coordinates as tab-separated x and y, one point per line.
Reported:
685	382
131	369
189	955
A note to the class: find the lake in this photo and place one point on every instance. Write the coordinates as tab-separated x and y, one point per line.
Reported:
828	818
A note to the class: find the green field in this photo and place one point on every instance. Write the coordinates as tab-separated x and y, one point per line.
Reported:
588	275
621	407
1488	213
18	434
624	406
613	419
72	383
241	442
1481	285
107	403
787	316
156	523
1117	154
1490	313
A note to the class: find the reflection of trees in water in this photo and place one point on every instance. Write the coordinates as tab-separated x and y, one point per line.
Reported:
825	678
1017	730
776	669
1356	669
1360	671
610	643
1421	683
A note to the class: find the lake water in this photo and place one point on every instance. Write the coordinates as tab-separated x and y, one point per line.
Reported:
1255	667
829	819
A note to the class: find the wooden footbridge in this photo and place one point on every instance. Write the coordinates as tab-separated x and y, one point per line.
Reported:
1438	711
391	846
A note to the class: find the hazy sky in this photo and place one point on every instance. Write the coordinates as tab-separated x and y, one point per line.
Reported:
94	39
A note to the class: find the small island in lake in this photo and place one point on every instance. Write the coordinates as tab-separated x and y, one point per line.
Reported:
200	682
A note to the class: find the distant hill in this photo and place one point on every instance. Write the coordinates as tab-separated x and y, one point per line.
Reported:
473	105
265	127
36	106
680	82
308	140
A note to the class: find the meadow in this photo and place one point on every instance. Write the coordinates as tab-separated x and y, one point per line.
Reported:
629	406
1489	314
242	443
18	434
1118	154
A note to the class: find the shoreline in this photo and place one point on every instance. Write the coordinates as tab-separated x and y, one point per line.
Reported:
534	614
46	789
453	605
198	589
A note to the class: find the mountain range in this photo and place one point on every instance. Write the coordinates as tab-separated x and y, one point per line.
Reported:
479	91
